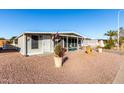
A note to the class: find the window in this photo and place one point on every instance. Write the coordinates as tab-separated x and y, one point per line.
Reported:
65	42
73	42
34	42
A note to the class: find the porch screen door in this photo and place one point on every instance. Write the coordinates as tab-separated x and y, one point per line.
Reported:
46	43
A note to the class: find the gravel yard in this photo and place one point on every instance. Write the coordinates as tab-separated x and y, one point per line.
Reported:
78	68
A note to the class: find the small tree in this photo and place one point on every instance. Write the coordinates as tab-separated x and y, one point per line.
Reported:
11	39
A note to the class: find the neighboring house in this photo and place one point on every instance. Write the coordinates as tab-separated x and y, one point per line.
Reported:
31	43
91	42
2	43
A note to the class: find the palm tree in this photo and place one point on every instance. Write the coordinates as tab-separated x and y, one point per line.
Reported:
111	34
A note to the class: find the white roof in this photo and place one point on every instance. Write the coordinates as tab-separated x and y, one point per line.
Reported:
52	33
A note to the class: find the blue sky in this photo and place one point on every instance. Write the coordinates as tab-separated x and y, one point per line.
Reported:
91	23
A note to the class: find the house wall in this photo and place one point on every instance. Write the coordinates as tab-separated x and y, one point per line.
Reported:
21	44
41	42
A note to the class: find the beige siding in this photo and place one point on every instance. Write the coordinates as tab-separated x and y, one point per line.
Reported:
21	44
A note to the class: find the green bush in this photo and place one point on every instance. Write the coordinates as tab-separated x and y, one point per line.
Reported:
109	46
99	47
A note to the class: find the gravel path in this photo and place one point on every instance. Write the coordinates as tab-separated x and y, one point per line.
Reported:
78	68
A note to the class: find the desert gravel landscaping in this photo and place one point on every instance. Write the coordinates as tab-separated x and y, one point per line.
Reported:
79	67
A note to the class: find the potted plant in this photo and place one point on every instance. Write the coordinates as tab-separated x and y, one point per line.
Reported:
99	49
58	55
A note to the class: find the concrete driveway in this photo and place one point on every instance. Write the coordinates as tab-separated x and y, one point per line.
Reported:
78	68
119	79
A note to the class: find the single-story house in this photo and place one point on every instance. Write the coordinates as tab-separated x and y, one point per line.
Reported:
91	42
32	43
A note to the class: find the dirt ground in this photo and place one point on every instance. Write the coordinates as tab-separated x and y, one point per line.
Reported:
79	67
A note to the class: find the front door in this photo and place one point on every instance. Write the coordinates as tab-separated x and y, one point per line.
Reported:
46	44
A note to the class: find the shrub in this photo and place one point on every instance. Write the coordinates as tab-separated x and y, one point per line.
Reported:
109	46
88	49
98	47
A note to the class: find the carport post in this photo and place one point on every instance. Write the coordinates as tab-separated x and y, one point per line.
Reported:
67	42
25	44
77	44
